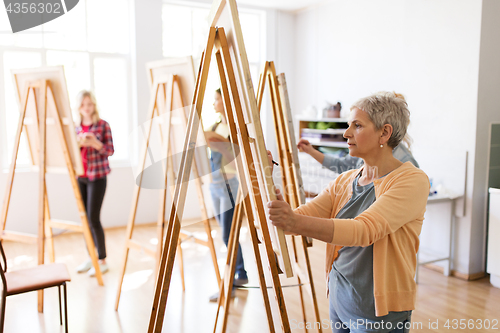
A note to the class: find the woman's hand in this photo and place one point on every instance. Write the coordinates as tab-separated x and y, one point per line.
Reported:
282	215
305	146
89	140
270	159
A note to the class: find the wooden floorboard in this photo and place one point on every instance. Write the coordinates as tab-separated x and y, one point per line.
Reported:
91	308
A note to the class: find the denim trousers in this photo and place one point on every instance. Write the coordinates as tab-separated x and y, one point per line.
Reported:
224	198
92	196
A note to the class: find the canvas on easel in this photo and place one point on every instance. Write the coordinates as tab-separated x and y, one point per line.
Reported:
253	168
172	82
45	117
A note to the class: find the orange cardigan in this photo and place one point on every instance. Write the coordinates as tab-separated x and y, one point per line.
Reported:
392	224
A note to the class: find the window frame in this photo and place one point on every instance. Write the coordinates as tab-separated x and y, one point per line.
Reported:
5	159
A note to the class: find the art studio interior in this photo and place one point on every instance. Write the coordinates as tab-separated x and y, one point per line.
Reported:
250	166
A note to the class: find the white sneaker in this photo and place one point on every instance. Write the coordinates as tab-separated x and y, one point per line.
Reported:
82	268
103	267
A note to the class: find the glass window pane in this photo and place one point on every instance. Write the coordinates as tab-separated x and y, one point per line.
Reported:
76	69
251	28
28	38
16	60
108	26
200	30
177	34
111	90
67	32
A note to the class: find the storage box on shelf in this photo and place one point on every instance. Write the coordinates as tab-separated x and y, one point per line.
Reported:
326	135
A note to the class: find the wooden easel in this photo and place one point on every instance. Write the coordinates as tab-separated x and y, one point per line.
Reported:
293	189
42	92
252	168
165	98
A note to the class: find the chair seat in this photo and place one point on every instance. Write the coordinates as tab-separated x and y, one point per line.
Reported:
36	278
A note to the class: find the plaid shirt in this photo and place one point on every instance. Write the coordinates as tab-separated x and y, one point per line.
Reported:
97	160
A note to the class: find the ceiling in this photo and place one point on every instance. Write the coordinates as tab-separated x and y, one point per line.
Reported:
290	5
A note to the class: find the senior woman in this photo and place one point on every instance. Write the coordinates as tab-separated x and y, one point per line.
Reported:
371	219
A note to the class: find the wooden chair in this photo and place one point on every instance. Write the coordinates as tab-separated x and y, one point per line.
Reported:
32	279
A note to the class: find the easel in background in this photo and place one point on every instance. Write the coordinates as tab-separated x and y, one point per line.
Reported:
293	189
166	100
45	117
245	129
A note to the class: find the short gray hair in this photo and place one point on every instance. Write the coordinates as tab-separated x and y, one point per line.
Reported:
387	108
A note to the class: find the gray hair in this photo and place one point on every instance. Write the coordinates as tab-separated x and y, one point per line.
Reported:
387	108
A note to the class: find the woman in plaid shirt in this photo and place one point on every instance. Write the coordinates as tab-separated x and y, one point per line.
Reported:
96	144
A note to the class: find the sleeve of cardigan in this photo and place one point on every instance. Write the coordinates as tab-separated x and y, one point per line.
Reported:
402	202
320	206
107	143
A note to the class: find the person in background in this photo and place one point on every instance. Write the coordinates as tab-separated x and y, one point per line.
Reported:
224	186
341	164
371	219
96	145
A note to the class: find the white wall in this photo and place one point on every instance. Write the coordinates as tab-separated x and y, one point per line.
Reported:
427	50
488	110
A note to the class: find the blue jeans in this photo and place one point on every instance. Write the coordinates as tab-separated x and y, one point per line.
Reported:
223	198
339	327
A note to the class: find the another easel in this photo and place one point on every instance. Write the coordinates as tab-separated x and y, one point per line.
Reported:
44	111
252	167
166	97
293	189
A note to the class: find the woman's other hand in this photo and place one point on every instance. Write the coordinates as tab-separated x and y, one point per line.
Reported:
281	214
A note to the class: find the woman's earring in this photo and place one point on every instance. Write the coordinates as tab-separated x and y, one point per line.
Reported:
381	146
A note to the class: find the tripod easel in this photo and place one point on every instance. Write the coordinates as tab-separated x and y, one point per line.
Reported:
166	98
292	184
39	100
293	189
254	175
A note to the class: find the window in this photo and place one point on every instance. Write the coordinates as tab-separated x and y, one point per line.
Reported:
95	53
185	30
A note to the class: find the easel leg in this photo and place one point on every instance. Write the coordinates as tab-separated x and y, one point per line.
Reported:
311	282
247	204
299	281
135	197
48	231
254	186
41	185
10	179
173	228
226	287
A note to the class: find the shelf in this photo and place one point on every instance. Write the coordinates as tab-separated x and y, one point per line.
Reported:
337	144
327	131
326	120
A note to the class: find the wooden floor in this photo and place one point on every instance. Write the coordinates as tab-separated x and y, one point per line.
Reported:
91	308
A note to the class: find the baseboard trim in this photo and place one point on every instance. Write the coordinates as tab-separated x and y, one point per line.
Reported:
461	276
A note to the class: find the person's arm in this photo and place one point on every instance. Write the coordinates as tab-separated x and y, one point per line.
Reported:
403	202
223	145
340	164
306	147
335	164
105	147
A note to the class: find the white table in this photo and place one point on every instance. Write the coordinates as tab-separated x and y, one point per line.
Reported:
434	199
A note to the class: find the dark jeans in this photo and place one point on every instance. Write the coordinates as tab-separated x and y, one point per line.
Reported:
92	196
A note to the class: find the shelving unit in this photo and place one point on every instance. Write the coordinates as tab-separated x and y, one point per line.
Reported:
335	140
315	177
